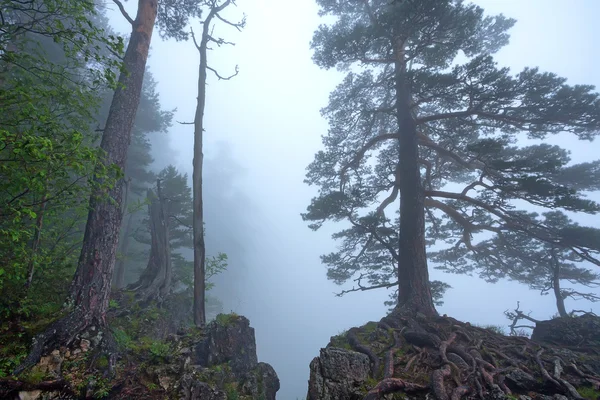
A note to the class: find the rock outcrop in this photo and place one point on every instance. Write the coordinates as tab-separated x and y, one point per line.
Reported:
407	357
218	362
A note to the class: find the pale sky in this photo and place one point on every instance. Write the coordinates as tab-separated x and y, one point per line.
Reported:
269	115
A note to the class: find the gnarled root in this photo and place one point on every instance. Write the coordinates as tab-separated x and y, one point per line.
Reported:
392	385
10	388
361	348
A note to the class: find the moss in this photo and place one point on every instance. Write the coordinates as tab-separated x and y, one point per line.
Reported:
369	327
226	319
102	362
231	391
589	393
34	376
340	341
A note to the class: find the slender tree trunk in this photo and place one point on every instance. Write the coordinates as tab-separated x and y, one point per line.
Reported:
167	277
120	268
90	289
414	291
198	216
124	244
560	300
36	242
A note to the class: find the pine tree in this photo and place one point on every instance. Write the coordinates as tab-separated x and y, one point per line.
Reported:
424	104
540	265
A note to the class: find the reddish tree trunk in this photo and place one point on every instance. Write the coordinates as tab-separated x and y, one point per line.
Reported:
414	291
90	289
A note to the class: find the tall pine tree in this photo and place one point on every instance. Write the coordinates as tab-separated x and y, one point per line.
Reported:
424	104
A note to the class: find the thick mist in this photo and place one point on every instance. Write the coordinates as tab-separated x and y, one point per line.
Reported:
263	128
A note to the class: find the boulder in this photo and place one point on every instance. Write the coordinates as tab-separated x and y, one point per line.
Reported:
338	374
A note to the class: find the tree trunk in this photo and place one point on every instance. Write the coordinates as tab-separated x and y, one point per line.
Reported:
198	217
36	242
124	248
120	269
414	292
155	281
90	289
560	300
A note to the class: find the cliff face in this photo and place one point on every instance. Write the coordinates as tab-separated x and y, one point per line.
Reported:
408	357
216	363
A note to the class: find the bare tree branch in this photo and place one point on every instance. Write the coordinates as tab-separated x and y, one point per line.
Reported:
225	78
122	9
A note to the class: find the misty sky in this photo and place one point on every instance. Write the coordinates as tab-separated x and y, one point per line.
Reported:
269	118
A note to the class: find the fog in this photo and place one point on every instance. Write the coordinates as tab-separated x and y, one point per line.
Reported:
262	130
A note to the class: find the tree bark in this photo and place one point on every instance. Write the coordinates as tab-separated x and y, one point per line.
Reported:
120	268
198	216
90	289
414	291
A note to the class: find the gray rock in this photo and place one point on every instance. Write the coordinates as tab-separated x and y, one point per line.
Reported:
261	383
578	331
192	389
519	380
232	342
338	374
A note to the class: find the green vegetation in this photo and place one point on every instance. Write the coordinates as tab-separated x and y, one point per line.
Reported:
226	319
589	393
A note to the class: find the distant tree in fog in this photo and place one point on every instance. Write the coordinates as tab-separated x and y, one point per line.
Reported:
412	117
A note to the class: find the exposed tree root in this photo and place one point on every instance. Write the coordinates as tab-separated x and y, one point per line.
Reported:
64	333
392	385
361	348
464	361
437	382
9	388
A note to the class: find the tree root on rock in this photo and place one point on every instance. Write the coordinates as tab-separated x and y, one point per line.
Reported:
463	361
361	348
10	388
65	333
392	385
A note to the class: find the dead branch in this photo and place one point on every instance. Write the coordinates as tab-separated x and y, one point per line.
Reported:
122	9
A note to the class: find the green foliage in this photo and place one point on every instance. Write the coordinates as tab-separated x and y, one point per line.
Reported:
231	391
159	351
52	70
122	338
